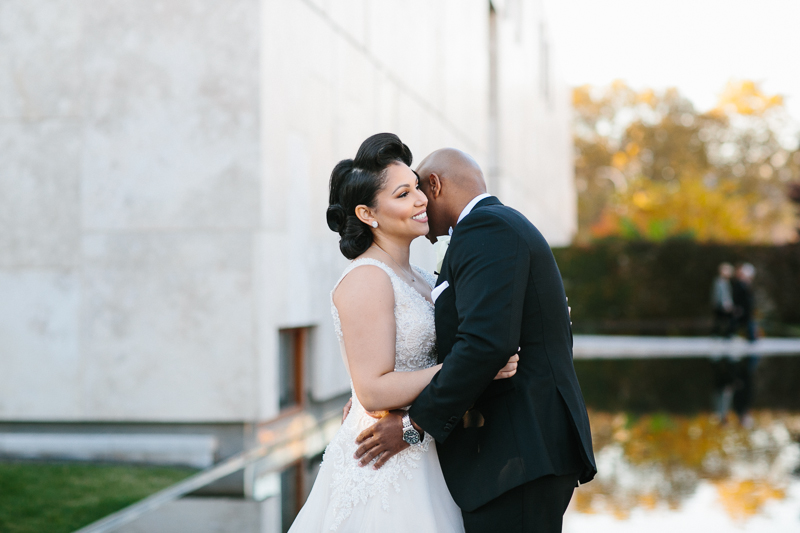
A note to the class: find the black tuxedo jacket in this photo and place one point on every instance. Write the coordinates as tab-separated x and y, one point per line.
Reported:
505	292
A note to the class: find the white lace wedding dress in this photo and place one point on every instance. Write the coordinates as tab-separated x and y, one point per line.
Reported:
408	493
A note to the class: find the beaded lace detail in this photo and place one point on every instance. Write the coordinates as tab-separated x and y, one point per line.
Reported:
415	350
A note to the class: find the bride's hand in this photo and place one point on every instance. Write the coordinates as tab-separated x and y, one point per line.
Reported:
346	409
374	414
510	369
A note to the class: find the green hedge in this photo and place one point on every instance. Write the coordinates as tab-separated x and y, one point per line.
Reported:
625	287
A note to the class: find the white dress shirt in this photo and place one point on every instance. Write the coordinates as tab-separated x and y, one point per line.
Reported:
466	211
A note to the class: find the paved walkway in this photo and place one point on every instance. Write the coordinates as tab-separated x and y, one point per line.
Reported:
209	515
628	347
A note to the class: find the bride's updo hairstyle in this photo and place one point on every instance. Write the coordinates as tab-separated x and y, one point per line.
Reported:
357	182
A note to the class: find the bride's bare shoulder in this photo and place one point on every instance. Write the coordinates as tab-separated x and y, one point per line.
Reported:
363	287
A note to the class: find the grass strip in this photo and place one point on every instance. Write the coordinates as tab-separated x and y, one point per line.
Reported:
60	498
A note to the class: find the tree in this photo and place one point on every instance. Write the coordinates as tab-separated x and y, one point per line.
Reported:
649	166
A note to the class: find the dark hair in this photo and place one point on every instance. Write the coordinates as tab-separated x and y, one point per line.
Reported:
356	182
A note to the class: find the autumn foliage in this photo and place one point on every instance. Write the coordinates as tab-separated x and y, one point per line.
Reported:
650	167
659	461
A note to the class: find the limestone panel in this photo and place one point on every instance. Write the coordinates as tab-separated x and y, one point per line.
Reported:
302	298
352	17
40	46
39	194
172	105
168	326
39	345
436	53
535	159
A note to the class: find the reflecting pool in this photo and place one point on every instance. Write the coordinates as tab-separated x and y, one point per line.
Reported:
668	473
658	473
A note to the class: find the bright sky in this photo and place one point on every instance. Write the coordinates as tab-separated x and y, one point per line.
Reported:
694	45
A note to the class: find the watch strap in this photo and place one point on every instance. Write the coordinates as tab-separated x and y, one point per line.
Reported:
407	422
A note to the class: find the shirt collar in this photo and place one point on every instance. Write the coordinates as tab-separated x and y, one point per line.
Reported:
470	206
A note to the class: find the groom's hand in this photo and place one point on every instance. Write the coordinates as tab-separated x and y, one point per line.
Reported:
383	440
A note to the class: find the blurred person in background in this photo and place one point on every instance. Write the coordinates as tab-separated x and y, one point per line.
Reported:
724	326
722	301
744	315
744	299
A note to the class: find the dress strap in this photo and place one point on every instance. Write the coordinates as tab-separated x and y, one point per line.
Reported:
366	261
337	326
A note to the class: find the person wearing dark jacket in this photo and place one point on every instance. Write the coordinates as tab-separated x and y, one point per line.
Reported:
724	326
744	314
722	301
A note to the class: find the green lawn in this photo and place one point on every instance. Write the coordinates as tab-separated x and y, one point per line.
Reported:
60	498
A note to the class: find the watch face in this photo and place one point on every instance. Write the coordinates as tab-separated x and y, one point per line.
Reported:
411	436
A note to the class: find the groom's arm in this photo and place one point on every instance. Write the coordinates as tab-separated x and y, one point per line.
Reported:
490	273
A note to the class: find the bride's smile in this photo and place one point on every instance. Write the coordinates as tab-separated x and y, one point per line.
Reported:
421	217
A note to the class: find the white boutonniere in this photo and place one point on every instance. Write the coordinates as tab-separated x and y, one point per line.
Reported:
441	249
569	311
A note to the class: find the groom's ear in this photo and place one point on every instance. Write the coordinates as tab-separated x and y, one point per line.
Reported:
434	185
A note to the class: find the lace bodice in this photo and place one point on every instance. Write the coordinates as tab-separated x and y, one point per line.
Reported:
415	346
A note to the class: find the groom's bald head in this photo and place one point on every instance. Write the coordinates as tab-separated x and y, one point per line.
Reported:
454	165
450	179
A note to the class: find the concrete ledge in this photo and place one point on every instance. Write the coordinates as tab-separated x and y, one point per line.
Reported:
208	515
283	441
628	347
198	451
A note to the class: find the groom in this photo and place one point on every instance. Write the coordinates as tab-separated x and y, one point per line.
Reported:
513	450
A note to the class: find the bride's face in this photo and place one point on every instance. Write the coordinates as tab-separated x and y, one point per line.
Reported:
401	207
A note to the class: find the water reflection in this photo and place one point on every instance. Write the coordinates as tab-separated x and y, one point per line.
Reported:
663	465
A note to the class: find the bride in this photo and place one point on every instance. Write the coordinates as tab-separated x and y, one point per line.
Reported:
383	316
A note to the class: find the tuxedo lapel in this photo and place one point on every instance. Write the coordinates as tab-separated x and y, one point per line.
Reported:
441	274
445	311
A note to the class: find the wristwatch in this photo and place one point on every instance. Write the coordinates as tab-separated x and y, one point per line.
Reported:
410	435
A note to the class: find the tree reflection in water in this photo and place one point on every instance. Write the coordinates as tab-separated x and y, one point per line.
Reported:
659	460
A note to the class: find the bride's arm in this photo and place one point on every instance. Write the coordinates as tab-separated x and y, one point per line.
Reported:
365	301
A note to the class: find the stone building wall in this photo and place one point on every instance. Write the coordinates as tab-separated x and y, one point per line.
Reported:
163	183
